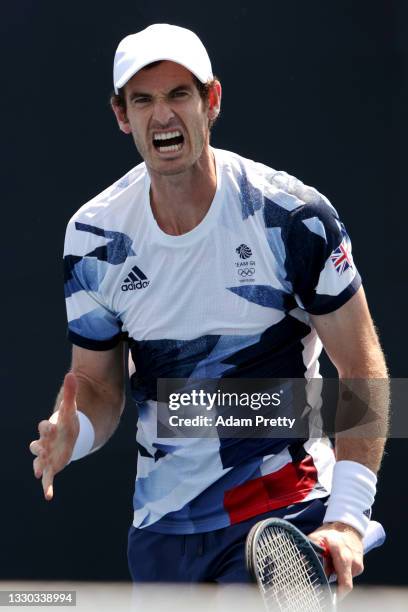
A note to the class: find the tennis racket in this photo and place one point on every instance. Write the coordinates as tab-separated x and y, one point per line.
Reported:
287	568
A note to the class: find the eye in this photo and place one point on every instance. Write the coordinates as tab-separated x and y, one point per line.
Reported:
179	94
141	100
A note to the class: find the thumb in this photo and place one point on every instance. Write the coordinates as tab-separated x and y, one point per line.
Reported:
70	392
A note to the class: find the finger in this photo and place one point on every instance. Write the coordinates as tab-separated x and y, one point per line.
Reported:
70	388
47	483
43	428
35	447
69	394
321	542
47	435
342	562
328	565
49	493
51	431
37	467
344	588
357	567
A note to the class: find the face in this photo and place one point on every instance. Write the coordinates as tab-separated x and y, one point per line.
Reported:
167	117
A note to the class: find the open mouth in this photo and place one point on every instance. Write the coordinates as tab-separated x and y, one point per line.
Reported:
168	141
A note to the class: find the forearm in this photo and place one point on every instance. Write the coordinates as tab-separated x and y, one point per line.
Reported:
367	451
361	426
102	405
364	441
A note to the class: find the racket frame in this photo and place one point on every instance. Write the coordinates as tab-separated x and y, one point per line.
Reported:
311	550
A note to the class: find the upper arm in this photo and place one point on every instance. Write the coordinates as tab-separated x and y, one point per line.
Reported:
350	339
94	328
90	253
326	284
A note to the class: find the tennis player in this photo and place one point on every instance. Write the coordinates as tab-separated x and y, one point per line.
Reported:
205	264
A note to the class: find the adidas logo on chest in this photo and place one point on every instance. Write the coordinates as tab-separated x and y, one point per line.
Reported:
136	279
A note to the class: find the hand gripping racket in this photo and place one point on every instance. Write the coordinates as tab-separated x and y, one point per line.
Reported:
287	568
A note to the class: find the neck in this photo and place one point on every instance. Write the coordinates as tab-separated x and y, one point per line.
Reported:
180	202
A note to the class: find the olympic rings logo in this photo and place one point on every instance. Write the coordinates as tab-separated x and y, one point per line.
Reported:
246	271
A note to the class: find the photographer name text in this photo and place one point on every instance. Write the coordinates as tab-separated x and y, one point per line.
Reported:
230	421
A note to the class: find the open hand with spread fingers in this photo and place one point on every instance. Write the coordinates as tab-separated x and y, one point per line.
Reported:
53	449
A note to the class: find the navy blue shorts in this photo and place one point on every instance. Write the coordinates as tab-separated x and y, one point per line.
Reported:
213	556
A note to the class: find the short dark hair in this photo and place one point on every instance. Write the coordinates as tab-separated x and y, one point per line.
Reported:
119	99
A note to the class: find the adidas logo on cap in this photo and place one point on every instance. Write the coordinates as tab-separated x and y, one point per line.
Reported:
135	280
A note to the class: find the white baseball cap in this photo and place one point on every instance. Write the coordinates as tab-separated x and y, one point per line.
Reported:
160	41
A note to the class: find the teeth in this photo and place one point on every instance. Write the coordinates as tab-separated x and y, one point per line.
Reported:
166	135
170	148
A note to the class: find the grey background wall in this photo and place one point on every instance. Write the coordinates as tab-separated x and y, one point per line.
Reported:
315	88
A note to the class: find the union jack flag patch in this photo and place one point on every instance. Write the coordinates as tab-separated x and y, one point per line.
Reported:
341	258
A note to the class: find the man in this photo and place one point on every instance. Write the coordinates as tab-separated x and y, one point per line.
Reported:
154	261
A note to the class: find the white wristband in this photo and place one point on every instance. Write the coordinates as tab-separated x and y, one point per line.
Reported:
85	439
352	495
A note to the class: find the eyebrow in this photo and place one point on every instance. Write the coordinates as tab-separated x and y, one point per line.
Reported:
141	94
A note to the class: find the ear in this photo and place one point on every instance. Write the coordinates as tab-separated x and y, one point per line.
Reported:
214	101
121	118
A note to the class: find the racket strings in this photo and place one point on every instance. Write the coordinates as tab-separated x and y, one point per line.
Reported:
289	580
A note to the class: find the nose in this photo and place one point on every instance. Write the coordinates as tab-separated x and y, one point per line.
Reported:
162	112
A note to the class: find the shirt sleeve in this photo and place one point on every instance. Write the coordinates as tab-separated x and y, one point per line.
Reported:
91	324
319	262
